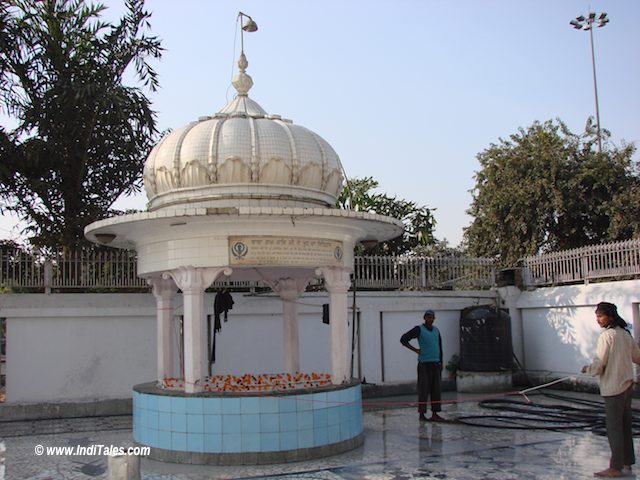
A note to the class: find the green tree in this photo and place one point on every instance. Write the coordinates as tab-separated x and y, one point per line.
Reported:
625	211
547	189
419	221
82	135
440	248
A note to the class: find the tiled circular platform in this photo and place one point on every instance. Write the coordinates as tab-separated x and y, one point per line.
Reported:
247	428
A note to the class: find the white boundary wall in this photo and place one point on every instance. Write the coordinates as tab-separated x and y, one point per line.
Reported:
81	347
554	328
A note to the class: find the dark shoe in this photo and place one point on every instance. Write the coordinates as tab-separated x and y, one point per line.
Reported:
436	418
609	473
423	418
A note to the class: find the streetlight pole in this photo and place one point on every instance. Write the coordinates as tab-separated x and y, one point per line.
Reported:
248	26
586	23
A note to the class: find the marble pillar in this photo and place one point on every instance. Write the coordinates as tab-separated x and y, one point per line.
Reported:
337	282
164	289
193	281
289	290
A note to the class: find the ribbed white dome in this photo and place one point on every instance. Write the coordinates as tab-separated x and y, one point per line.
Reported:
242	156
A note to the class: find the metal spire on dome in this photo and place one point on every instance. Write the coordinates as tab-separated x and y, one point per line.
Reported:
242	105
242	82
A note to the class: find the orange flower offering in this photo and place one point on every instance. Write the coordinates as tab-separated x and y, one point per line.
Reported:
251	382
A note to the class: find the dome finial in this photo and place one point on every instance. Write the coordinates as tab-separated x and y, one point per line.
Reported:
243	82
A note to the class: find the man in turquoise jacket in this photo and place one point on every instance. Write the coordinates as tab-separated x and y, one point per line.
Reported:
429	364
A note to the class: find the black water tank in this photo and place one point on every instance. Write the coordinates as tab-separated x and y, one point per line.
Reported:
485	340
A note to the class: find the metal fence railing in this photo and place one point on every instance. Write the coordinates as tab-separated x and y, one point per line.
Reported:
419	273
19	268
81	269
608	260
95	270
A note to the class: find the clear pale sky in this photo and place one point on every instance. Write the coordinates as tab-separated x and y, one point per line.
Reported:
407	92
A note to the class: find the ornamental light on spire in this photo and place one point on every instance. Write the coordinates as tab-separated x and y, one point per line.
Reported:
242	82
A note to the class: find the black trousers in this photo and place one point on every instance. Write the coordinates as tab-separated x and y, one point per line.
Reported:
429	374
618	414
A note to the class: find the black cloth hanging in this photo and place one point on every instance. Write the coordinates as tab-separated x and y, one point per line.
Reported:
222	303
211	343
213	351
325	313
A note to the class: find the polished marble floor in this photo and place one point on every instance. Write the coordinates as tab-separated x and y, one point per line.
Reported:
397	446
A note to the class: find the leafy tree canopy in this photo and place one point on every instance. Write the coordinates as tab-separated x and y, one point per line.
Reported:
82	135
440	248
358	194
547	189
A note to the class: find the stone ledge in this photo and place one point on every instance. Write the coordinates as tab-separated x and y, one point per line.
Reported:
40	411
151	388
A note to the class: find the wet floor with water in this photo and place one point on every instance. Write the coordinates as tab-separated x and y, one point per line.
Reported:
397	446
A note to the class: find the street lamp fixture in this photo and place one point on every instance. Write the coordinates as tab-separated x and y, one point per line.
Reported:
243	82
248	26
587	23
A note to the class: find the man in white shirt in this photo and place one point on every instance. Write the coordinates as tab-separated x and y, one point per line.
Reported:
616	352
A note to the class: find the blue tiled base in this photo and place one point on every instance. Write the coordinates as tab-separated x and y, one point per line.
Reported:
245	423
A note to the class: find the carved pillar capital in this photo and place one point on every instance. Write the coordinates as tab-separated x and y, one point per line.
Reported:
195	279
336	279
162	287
289	289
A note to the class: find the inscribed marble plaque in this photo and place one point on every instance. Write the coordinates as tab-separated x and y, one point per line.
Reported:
285	251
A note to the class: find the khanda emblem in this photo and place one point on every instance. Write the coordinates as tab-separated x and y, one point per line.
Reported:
239	250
